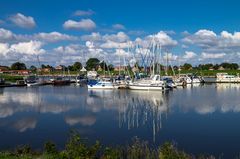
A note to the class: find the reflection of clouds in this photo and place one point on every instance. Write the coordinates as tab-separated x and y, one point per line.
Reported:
39	99
221	87
24	124
6	111
208	99
205	109
83	120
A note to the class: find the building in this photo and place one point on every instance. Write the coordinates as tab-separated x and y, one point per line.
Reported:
4	69
45	70
22	72
221	68
211	69
59	68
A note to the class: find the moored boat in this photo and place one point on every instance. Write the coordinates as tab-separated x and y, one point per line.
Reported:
61	81
33	81
154	83
101	84
226	78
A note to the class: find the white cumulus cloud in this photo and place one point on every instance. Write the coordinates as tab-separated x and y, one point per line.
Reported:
189	55
30	48
119	37
6	35
22	20
84	24
54	37
163	38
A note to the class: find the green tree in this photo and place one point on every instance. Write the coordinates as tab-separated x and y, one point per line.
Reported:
18	66
216	67
33	68
111	67
77	66
187	66
92	63
104	66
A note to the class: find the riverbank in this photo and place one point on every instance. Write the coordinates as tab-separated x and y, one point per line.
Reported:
76	147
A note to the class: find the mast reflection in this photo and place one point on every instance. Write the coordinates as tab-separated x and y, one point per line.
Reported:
135	108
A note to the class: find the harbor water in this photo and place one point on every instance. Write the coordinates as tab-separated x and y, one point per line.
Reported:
199	119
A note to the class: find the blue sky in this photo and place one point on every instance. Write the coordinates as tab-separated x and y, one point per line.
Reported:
61	32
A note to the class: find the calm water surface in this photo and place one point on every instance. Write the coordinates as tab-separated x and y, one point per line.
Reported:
200	119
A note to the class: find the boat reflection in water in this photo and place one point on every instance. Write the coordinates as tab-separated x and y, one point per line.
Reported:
135	108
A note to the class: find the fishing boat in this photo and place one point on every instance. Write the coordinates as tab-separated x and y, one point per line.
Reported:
226	78
154	83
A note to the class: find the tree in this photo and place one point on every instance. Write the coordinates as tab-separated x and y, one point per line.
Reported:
18	66
187	66
229	66
104	66
111	67
92	63
77	66
43	66
33	68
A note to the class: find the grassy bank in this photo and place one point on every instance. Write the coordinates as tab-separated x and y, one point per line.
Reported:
11	78
76	148
14	78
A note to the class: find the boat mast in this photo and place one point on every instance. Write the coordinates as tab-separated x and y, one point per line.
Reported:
153	51
160	58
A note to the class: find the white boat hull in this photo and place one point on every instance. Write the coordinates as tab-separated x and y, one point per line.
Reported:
149	88
102	87
34	84
233	80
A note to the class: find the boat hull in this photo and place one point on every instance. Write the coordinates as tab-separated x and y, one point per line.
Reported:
101	87
139	87
64	82
34	84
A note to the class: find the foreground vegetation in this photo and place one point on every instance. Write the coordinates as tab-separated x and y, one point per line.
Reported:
77	148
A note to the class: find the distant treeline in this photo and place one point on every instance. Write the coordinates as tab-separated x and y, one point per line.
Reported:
94	63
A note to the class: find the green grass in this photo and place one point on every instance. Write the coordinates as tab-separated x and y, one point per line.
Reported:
11	78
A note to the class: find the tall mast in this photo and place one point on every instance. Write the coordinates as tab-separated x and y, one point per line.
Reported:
153	56
160	59
119	63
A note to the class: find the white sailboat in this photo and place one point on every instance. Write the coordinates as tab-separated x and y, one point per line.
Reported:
101	84
154	83
104	83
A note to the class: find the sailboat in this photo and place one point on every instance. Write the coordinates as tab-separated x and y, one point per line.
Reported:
33	80
81	78
103	83
155	82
